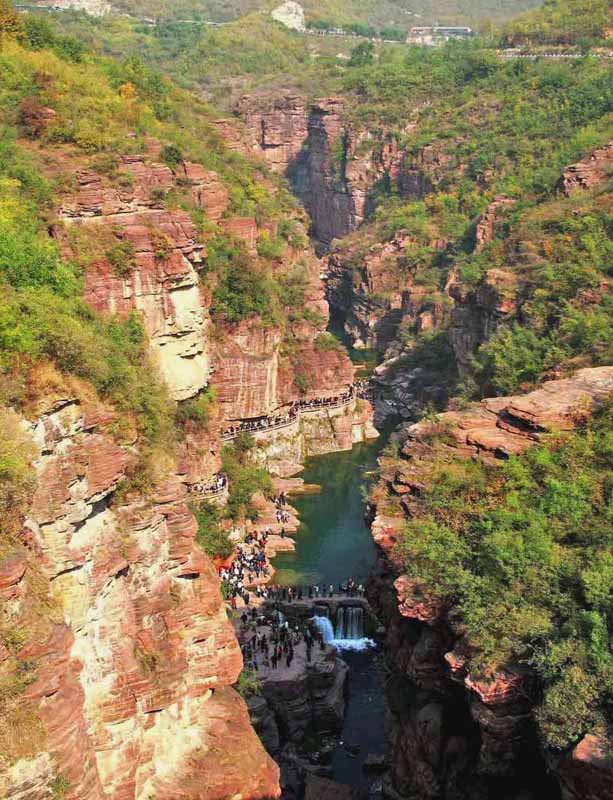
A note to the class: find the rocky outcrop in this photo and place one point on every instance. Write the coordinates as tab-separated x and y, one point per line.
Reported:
590	172
162	285
331	165
316	432
309	700
460	732
374	292
503	426
132	680
487	222
146	258
477	312
291	15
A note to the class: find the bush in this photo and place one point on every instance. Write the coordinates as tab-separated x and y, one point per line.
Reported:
122	257
171	155
196	409
512	358
242	292
248	684
11	23
327	342
245	478
270	247
211	536
17	479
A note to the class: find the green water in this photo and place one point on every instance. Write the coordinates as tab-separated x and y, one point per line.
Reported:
333	542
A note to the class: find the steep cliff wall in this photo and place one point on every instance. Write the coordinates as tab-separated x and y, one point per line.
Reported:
331	165
130	684
462	733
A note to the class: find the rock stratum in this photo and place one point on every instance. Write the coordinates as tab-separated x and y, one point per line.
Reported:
130	693
458	731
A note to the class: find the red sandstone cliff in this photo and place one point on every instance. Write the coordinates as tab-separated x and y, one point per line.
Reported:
428	648
132	675
331	165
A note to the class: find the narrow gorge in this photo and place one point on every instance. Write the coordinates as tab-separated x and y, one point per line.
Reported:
305	413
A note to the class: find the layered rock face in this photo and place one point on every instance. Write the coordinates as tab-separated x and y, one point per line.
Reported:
331	166
132	679
374	292
590	172
314	433
151	259
457	734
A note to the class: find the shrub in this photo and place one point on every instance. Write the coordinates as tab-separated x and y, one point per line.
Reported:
17	478
196	409
242	292
211	536
513	357
171	155
326	342
245	478
270	247
11	23
248	684
122	257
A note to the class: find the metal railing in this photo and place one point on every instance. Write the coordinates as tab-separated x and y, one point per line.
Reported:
302	407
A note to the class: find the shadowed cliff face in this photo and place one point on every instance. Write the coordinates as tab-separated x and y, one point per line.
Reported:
333	168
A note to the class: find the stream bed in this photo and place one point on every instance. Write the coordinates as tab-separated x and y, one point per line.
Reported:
333	544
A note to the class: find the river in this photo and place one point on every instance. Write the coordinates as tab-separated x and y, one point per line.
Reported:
334	543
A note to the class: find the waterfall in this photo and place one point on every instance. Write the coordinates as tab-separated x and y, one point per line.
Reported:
349	632
322	611
325	626
350	622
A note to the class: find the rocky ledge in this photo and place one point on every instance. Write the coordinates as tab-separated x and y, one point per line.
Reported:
458	732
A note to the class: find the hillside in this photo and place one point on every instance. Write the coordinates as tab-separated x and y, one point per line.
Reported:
386	13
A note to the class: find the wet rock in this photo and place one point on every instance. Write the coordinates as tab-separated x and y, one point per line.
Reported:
324	789
374	763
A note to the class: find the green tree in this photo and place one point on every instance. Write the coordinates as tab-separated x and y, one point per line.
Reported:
362	55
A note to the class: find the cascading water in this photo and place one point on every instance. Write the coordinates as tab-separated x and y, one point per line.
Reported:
325	626
350	622
349	633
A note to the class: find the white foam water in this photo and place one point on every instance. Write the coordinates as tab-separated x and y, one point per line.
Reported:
327	629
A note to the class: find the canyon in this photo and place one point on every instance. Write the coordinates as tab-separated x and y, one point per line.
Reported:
126	657
130	694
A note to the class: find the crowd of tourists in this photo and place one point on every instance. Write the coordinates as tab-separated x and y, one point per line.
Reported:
360	389
276	645
218	484
250	563
248	566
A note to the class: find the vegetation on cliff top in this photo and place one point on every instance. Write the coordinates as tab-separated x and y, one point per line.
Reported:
522	554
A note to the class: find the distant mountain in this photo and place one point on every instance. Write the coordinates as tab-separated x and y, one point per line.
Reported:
378	13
